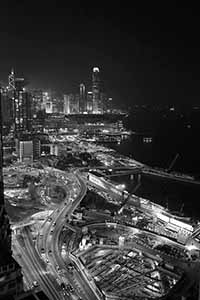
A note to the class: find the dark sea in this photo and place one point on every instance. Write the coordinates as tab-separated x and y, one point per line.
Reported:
178	197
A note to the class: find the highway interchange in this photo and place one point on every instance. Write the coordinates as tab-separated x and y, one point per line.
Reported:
43	261
65	277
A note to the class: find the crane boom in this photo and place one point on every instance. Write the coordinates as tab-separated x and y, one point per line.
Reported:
173	162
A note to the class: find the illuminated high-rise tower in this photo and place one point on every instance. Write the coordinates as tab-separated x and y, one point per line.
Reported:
66	108
82	99
22	108
96	90
89	103
11	80
10	90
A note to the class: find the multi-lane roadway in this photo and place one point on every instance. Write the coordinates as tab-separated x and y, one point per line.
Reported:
47	245
44	262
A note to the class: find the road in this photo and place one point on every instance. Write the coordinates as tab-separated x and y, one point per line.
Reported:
47	244
120	162
35	267
47	248
21	257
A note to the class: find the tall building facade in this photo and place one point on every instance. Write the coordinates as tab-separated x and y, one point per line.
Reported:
22	108
10	272
82	99
96	91
47	102
26	151
7	109
37	101
89	102
74	103
66	105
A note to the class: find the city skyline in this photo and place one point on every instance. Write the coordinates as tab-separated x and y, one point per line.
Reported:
17	95
99	152
147	57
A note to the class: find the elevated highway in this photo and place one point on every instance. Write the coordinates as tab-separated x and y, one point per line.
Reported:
36	267
48	243
128	166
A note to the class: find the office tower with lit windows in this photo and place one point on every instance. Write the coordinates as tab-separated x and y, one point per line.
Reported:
74	103
47	102
7	110
103	99
10	272
66	107
37	101
82	99
107	103
22	108
59	104
89	103
96	90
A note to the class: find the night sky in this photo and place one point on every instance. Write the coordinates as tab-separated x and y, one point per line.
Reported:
146	54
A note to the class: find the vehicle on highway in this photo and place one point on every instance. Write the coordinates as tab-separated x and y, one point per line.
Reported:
58	268
35	283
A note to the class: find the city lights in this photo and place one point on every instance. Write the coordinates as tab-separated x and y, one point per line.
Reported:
77	201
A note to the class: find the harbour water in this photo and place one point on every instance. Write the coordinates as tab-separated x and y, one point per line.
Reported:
178	197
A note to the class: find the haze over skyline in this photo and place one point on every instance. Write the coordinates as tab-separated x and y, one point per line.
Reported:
144	55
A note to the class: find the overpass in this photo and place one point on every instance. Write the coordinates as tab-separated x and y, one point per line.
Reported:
147	171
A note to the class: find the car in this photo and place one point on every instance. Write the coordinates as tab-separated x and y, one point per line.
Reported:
35	283
58	268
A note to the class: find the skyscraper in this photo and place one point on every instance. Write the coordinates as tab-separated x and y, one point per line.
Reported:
96	90
47	102
66	108
10	271
37	101
82	99
22	108
74	103
89	103
7	109
11	81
